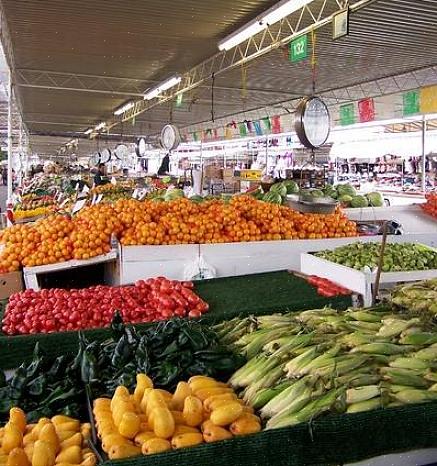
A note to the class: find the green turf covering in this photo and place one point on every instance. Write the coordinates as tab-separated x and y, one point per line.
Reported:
263	292
331	440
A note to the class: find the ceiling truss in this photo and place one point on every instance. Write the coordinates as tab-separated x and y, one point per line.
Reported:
275	36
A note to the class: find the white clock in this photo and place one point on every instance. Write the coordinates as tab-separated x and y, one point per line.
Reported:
313	122
170	137
121	151
95	159
105	156
141	147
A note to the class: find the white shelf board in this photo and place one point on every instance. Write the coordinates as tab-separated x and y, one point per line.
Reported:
356	280
74	263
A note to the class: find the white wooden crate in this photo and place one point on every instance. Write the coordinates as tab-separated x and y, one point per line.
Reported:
356	280
412	217
139	262
231	259
30	274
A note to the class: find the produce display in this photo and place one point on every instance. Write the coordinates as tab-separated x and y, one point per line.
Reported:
319	361
112	193
88	234
419	299
20	214
326	287
349	197
46	184
169	352
346	194
430	206
397	256
151	420
57	310
60	440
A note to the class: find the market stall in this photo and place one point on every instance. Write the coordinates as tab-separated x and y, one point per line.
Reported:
201	284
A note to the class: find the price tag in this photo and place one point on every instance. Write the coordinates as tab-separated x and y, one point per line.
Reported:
63	203
99	198
113	181
93	201
299	49
78	206
85	189
135	194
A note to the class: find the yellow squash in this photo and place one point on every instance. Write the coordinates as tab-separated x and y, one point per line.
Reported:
193	411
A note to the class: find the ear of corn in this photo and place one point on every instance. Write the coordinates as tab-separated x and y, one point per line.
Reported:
358	394
366	405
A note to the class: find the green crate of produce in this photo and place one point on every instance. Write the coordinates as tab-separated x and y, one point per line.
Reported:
228	297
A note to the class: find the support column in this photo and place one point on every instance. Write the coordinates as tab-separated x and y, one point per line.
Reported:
423	154
10	147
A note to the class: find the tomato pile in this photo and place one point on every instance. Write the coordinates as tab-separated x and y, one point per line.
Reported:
88	234
327	288
430	206
56	310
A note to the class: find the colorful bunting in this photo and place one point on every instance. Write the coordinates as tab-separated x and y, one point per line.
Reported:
276	124
242	128
267	123
347	114
428	99
258	129
411	103
366	110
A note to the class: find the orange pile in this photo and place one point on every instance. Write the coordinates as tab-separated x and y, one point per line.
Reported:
58	238
430	206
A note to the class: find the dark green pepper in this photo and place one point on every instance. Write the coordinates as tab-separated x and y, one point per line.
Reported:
122	352
36	386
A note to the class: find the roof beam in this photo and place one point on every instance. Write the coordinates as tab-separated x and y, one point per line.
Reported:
274	37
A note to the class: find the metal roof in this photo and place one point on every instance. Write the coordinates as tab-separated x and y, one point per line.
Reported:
111	51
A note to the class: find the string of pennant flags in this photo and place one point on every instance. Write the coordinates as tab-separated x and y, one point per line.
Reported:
264	126
413	102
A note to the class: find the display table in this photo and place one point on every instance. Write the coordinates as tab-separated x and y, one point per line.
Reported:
262	293
31	274
181	262
411	217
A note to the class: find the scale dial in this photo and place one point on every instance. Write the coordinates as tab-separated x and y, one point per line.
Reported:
313	122
105	156
170	137
141	147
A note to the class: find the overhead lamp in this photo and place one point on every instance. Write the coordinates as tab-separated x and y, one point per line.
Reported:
271	16
100	126
282	10
88	131
241	35
164	86
124	108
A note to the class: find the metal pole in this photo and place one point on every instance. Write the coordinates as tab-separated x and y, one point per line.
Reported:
10	157
423	154
20	153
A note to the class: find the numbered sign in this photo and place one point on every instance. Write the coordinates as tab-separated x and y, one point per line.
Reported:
299	49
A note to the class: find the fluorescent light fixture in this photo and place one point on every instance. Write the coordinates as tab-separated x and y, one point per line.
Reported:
269	17
241	35
124	108
152	94
164	86
100	126
282	10
88	131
